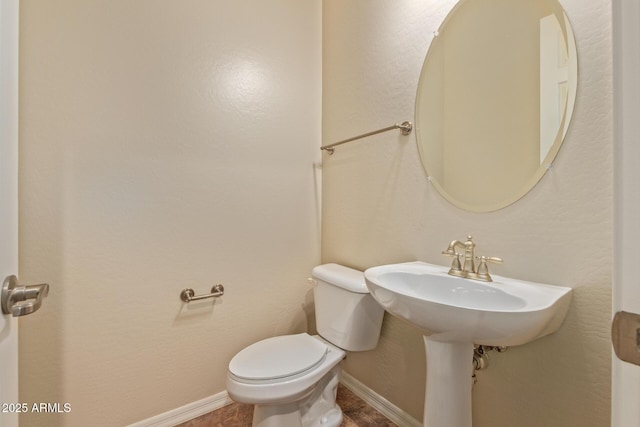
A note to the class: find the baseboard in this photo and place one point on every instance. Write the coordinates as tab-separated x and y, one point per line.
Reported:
219	400
186	412
382	405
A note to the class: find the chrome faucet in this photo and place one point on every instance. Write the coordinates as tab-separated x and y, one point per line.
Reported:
468	268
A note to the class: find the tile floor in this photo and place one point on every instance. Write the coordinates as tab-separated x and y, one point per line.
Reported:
356	414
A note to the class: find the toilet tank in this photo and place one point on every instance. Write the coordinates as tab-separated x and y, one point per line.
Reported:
346	313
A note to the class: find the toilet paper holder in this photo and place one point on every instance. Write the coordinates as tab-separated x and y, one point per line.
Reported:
188	294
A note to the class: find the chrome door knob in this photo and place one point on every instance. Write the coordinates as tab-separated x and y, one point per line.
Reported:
21	300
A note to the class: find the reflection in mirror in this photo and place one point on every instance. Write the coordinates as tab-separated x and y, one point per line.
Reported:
495	99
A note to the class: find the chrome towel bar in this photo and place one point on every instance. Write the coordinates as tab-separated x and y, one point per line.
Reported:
405	129
188	295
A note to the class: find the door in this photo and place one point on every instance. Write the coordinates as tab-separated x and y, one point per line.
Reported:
8	204
626	287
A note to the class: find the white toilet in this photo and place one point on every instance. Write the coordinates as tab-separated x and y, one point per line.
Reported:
292	379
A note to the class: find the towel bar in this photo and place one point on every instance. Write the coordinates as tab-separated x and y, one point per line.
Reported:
188	295
405	129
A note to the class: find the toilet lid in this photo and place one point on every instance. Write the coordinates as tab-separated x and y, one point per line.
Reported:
278	357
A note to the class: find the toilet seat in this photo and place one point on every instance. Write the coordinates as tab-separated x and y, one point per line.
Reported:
278	358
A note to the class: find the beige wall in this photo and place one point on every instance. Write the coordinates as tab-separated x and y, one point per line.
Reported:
163	145
378	208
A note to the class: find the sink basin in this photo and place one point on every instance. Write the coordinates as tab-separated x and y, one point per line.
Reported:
504	312
454	314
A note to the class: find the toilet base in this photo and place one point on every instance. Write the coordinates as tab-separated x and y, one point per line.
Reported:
318	409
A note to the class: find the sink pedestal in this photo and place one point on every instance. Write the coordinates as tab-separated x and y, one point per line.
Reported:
449	382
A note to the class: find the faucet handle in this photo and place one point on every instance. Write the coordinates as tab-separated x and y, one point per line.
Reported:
450	252
492	259
483	270
456	266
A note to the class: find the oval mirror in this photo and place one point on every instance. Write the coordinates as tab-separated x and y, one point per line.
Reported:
495	98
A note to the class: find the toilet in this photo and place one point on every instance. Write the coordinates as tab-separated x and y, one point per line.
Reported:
292	379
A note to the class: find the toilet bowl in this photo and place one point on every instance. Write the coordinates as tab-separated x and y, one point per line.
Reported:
292	379
275	386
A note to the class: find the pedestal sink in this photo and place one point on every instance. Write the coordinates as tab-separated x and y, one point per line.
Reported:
454	314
